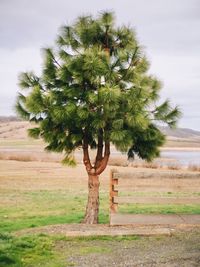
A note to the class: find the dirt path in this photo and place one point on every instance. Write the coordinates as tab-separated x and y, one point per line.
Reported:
74	230
174	251
77	230
168	247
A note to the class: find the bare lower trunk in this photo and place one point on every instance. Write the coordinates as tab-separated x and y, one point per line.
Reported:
92	209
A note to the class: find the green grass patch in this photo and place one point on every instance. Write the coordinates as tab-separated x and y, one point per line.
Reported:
35	221
32	250
158	194
159	209
46	207
41	206
102	238
53	251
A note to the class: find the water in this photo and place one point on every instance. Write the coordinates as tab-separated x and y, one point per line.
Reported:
174	157
183	158
168	157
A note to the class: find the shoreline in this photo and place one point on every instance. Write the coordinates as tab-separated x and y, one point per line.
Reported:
183	149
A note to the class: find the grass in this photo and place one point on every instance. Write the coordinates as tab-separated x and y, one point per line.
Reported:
34	194
159	194
40	208
27	150
159	209
194	168
36	221
52	251
21	143
25	251
43	207
30	154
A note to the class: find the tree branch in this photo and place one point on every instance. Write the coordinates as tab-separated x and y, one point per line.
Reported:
129	66
99	149
105	159
86	157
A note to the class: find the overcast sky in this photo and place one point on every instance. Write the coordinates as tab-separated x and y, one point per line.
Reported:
169	31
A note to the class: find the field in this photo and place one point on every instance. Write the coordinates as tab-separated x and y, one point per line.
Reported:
40	193
36	190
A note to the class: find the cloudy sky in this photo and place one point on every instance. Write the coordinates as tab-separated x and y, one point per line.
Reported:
169	31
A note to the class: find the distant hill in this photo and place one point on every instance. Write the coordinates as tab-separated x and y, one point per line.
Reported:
180	132
13	127
9	118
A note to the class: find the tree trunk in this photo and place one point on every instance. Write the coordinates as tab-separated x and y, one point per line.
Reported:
92	209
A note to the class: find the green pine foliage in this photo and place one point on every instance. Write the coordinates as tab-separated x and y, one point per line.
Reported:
95	79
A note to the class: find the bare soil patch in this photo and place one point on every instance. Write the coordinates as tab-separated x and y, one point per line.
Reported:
180	248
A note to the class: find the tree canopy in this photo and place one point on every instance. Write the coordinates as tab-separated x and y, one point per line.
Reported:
95	89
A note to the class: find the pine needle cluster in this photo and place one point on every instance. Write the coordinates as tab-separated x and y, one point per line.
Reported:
95	86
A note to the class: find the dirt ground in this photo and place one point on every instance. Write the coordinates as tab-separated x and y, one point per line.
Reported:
174	251
180	248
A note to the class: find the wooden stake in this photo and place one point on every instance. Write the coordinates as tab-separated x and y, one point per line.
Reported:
113	192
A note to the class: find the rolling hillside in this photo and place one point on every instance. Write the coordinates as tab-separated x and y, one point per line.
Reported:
14	129
11	128
180	132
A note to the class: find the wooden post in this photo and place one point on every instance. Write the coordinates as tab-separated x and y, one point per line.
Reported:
113	192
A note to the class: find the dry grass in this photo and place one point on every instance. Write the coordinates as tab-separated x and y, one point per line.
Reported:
186	143
15	145
148	165
42	193
116	161
14	129
194	168
30	156
175	167
17	157
143	164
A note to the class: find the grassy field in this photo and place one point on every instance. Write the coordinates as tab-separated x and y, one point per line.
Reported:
34	194
42	193
36	190
38	193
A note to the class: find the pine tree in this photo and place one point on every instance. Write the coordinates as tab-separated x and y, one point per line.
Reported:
95	90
